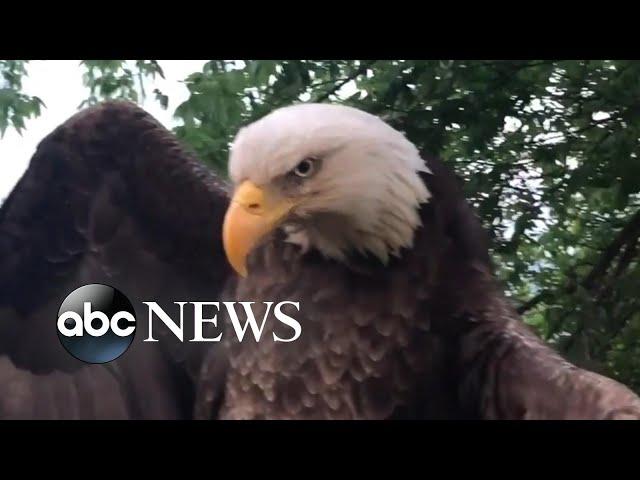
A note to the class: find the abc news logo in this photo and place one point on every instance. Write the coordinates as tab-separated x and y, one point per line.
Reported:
97	323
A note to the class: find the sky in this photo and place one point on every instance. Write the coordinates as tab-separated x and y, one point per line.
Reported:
58	83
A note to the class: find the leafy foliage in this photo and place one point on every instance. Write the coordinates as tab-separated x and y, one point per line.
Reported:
547	152
108	79
15	106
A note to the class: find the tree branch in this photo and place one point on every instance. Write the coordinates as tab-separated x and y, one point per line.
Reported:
528	305
629	235
359	71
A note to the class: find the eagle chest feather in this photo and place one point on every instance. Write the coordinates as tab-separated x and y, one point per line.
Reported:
366	349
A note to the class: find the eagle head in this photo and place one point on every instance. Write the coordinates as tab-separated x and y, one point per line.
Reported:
335	178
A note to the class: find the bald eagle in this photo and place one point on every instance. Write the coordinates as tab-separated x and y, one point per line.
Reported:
330	207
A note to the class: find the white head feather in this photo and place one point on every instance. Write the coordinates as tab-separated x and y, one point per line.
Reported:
366	194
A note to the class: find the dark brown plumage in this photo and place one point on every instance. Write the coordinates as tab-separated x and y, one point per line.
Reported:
430	336
110	197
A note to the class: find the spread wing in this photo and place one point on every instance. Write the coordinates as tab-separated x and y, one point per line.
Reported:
508	373
109	197
502	369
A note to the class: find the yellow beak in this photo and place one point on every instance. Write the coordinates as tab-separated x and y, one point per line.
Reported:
253	213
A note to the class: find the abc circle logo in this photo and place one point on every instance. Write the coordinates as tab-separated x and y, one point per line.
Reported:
96	323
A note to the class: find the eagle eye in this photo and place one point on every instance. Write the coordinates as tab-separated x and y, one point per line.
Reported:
305	168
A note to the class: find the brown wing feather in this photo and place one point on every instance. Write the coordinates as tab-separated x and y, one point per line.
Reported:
109	197
506	372
502	369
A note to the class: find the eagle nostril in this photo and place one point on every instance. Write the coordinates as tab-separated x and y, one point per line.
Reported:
254	206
